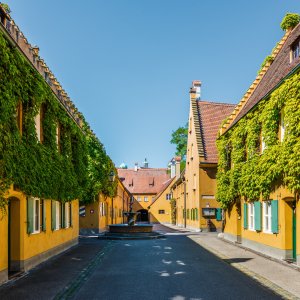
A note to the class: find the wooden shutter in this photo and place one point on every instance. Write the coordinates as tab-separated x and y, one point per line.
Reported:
218	214
43	215
53	215
245	216
30	216
274	216
257	215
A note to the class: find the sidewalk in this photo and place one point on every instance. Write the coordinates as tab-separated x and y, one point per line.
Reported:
284	280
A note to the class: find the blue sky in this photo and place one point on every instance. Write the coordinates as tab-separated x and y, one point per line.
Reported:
128	64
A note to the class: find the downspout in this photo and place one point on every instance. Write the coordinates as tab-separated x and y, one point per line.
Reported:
184	201
123	207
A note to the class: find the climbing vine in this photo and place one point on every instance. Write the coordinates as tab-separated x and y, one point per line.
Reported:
173	210
41	169
242	169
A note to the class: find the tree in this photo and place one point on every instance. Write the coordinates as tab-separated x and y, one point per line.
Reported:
179	138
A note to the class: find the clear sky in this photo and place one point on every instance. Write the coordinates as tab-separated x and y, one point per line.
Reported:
128	64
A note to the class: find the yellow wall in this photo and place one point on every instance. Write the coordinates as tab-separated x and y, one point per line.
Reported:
112	214
283	239
178	195
137	205
3	241
200	181
161	203
24	245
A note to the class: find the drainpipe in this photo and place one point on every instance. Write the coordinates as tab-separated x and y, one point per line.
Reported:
123	207
112	210
184	197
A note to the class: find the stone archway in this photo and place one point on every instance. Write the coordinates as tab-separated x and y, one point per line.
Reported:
143	215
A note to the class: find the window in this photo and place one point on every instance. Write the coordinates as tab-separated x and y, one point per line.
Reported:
139	199
145	199
37	121
57	136
161	212
267	216
282	127
262	144
37	215
58	214
168	196
153	198
295	50
251	216
194	182
20	117
228	150
67	214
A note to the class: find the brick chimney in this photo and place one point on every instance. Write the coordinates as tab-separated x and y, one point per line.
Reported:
195	90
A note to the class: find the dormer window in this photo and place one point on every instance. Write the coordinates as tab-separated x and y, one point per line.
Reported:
295	49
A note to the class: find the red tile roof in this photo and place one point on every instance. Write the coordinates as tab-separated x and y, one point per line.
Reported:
211	115
144	181
279	69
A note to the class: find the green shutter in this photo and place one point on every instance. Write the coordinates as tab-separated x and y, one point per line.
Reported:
53	215
219	214
245	216
62	215
274	216
30	204
192	214
196	212
70	214
44	215
257	215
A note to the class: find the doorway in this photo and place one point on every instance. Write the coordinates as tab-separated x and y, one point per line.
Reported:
142	215
14	237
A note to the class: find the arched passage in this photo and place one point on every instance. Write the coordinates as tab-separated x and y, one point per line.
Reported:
14	236
142	216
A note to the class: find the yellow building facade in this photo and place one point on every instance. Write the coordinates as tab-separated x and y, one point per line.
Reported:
33	230
262	211
95	217
200	209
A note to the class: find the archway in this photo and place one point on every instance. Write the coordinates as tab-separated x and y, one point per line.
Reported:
14	237
142	216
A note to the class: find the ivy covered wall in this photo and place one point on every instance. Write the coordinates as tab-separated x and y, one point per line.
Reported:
242	169
78	171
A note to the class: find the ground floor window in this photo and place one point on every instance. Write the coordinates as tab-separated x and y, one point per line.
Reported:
251	216
36	221
67	214
267	216
161	212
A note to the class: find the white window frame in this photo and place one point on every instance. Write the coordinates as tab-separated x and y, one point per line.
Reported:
146	199
36	215
267	217
282	127
263	144
67	214
58	215
139	198
37	121
251	216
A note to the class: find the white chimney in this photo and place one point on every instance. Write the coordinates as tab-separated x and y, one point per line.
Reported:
177	166
136	166
196	89
172	166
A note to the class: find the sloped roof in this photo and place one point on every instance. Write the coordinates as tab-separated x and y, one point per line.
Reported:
163	188
209	116
273	74
144	181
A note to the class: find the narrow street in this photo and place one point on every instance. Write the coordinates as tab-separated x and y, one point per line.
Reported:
174	267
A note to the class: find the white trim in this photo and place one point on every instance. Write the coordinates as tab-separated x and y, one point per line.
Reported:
282	127
67	214
57	216
37	122
251	216
36	215
267	217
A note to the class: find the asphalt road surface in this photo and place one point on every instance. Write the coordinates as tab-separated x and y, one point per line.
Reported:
171	268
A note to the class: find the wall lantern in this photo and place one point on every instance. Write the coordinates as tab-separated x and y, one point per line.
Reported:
112	176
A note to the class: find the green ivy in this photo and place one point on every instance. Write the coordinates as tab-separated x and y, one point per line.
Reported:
173	210
39	169
290	21
252	174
